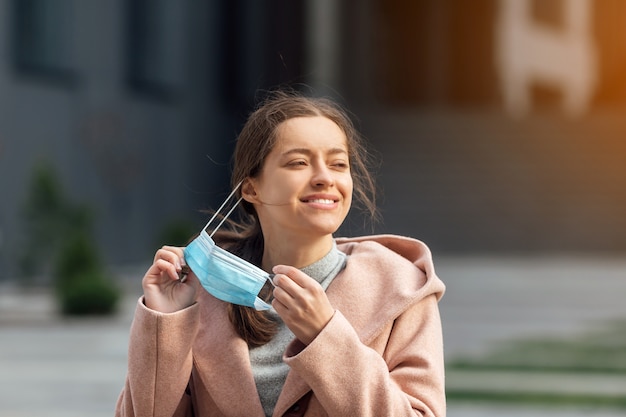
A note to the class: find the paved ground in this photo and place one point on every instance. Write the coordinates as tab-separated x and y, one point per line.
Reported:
492	299
68	368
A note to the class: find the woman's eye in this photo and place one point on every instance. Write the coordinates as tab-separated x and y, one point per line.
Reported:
298	162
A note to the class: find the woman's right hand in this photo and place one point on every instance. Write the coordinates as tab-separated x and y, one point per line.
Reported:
162	289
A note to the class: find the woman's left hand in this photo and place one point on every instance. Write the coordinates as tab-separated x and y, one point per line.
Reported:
301	302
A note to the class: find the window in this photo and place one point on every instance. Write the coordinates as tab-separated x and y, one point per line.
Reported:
42	38
154	46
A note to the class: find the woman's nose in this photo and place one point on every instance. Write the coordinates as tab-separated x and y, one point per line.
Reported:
322	176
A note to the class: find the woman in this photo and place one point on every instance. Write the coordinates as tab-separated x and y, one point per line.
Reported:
355	327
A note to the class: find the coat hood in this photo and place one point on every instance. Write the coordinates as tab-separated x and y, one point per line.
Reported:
386	273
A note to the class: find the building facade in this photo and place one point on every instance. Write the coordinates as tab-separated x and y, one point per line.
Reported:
500	123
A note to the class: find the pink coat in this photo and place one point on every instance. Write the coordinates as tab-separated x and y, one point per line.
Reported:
380	355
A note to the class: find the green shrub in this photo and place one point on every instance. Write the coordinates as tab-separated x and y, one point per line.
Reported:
89	294
76	257
80	281
59	242
48	217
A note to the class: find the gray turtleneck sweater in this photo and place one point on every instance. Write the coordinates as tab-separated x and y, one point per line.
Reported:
268	367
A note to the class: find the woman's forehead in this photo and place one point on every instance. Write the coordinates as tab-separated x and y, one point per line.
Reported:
310	133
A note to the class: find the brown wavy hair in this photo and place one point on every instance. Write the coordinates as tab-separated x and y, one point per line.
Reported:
255	141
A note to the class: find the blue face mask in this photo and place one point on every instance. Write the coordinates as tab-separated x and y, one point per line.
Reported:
224	275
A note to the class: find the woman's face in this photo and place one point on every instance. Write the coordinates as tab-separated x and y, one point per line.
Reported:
304	188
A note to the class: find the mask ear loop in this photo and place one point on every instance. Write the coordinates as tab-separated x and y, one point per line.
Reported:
270	277
228	199
186	270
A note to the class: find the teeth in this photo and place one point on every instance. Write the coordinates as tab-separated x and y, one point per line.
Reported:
322	201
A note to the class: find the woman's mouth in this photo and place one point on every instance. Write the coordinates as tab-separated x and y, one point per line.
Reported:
320	201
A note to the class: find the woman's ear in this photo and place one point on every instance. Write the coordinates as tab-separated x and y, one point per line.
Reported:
248	192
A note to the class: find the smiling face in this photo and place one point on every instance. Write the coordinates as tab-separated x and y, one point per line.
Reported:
304	188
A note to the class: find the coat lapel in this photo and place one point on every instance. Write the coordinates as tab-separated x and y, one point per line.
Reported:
349	292
223	362
294	389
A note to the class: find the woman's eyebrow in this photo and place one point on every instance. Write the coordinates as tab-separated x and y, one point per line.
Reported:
307	151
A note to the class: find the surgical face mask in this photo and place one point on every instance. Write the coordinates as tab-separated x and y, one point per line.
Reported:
224	275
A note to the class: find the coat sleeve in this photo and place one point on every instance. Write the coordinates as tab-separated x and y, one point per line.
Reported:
159	364
401	373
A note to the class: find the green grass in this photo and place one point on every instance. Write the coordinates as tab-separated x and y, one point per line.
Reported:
601	350
538	398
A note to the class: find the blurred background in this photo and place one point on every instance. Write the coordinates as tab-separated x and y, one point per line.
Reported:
501	130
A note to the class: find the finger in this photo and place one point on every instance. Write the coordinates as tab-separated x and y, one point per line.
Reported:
282	295
286	287
176	249
171	254
294	275
167	267
278	305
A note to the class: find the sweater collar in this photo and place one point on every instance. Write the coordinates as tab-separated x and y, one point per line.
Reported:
321	269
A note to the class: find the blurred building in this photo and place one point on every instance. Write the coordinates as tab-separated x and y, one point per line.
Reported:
500	123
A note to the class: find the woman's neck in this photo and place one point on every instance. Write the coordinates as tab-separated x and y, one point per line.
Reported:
297	252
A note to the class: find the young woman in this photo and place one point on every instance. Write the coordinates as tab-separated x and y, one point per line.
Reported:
354	328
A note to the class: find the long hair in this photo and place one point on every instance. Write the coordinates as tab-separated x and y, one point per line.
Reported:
255	141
